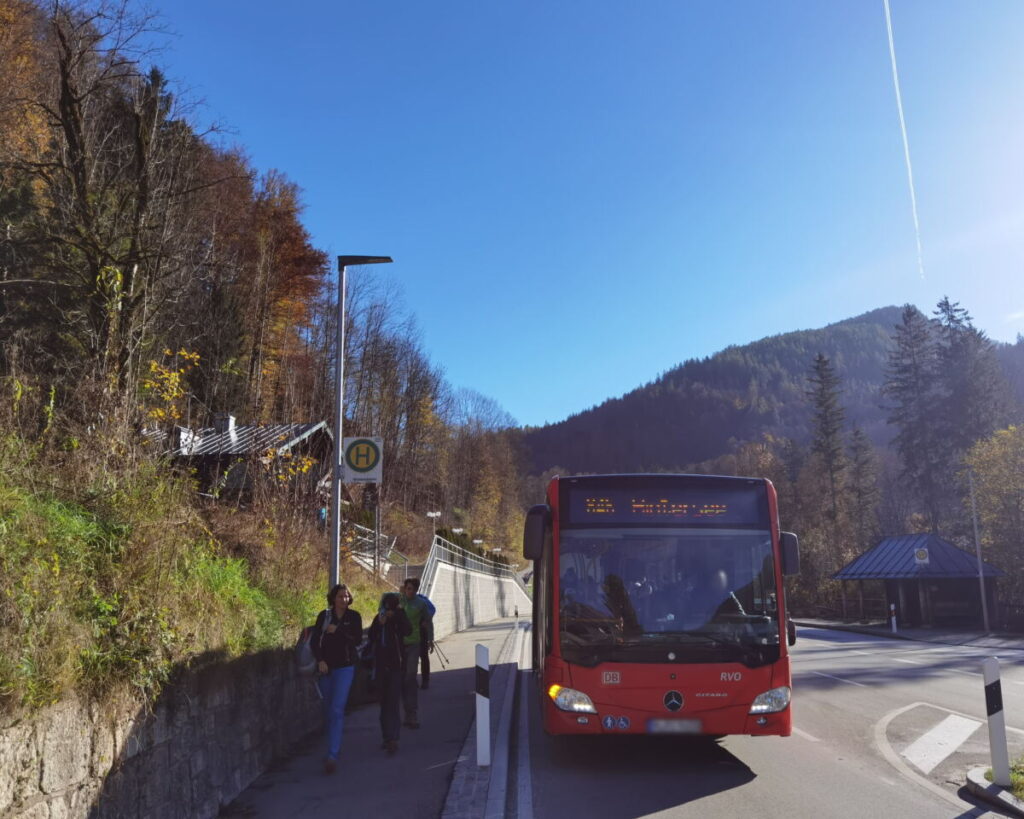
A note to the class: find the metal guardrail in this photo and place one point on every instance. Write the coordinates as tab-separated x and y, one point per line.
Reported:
444	551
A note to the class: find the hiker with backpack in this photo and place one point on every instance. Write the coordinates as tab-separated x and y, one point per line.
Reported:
387	636
426	645
421	620
335	643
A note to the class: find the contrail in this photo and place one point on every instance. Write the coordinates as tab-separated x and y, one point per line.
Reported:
906	143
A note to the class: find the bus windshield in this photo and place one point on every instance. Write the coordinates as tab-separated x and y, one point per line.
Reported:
667	595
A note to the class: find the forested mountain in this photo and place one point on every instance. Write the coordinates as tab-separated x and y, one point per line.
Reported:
700	409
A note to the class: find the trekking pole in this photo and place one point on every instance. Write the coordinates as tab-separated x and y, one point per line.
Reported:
441	655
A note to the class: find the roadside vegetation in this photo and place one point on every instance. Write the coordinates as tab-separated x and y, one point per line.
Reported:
1016	778
112	575
151	278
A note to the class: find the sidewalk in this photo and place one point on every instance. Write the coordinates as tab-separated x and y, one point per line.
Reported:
945	636
414	783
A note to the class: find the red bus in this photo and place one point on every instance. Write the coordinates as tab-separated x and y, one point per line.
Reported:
659	607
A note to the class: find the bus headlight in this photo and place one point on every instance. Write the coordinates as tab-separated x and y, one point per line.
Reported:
568	699
777	699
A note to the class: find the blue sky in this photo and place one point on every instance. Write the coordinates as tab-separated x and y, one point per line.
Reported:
581	195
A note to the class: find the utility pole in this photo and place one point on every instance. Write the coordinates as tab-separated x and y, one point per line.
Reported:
977	551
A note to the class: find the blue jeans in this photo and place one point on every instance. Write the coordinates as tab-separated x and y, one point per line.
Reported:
334	687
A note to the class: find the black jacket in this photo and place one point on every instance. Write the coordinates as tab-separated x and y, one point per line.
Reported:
387	641
340	648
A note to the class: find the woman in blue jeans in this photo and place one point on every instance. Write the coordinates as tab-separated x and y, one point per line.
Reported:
339	631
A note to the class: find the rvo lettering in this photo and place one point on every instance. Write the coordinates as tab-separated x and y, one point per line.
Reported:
732	676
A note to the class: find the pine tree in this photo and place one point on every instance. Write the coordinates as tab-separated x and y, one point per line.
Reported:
827	440
974	390
911	387
863	489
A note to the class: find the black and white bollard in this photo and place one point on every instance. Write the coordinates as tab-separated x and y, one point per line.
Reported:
483	707
996	723
892	616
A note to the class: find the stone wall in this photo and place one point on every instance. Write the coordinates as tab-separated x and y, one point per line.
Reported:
209	735
464	598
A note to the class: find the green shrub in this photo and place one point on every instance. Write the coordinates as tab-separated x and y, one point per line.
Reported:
110	578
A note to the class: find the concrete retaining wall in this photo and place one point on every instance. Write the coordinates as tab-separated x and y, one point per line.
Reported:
207	738
464	598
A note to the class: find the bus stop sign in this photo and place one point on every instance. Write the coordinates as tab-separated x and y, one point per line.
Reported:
364	459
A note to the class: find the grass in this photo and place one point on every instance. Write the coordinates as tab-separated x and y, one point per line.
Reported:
1016	778
111	576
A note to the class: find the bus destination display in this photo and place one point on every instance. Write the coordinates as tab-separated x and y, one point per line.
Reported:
731	507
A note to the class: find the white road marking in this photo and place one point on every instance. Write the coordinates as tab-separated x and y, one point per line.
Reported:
931	748
910	662
449	762
966	673
831	677
804	734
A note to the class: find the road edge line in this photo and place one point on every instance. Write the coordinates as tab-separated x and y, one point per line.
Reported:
890	755
524	776
497	786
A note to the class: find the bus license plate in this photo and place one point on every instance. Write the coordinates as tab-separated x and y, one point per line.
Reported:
673	726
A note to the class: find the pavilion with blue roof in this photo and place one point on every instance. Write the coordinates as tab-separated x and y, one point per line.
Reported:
931	581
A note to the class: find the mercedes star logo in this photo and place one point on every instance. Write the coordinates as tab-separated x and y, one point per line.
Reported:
673	700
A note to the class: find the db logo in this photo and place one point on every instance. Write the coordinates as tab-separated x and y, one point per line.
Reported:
732	676
611	678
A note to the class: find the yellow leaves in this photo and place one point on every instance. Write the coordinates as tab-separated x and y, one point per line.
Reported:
164	388
285	465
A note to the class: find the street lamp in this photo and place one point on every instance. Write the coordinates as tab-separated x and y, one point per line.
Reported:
433	516
339	388
458	530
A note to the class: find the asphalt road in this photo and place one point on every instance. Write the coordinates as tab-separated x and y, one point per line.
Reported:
882	728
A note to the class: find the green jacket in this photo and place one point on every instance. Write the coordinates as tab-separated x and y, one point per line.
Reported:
419	616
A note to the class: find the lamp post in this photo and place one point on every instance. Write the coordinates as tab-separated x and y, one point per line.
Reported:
433	518
339	402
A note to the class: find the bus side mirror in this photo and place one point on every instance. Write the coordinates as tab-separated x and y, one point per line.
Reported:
790	554
537	521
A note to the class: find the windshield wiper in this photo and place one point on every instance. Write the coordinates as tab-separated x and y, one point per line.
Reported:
596	654
751	651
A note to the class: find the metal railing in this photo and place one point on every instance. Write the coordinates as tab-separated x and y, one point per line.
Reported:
363	547
444	551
